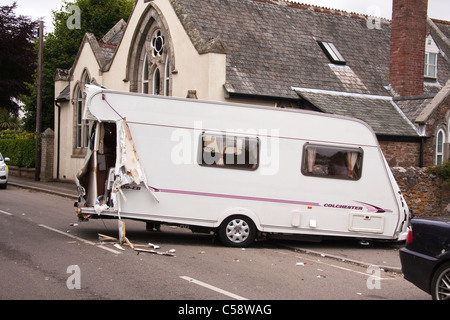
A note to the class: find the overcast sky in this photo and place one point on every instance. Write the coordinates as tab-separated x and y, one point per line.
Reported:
437	9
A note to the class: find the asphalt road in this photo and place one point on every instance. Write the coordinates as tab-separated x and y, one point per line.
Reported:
46	254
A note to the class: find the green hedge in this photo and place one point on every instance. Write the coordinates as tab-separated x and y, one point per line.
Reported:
18	147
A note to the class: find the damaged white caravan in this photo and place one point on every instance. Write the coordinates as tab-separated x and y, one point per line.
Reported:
237	170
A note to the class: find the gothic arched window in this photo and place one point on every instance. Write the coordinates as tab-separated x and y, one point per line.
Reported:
81	127
440	139
151	50
155	72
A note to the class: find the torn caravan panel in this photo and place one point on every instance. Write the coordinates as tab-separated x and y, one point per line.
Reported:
111	162
128	169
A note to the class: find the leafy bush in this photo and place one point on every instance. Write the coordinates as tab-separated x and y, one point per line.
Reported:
19	147
16	134
442	170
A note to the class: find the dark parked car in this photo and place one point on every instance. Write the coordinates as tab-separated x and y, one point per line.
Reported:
426	257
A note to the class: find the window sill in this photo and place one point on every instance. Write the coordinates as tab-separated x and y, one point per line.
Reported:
78	153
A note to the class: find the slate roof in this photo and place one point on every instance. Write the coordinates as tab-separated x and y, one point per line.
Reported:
376	111
413	106
272	46
104	51
110	42
64	95
437	100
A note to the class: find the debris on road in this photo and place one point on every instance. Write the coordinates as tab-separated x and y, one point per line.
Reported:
136	247
170	252
103	237
154	246
118	246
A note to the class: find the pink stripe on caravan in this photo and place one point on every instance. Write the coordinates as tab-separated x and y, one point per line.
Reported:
230	196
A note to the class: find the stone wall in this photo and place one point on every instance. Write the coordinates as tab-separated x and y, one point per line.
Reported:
21	172
401	154
424	193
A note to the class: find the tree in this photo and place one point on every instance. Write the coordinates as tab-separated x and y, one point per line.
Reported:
62	45
17	56
8	121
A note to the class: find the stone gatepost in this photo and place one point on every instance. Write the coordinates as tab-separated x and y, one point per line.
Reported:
47	152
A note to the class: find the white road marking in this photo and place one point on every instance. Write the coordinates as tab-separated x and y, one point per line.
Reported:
108	249
80	239
7	213
208	286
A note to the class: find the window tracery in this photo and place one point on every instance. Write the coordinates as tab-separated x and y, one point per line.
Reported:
156	65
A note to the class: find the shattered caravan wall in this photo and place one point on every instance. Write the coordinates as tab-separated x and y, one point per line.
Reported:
424	192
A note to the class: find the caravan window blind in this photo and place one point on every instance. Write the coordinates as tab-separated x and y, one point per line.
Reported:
332	162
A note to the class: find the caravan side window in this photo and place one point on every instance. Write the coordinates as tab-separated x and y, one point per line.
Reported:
332	162
229	151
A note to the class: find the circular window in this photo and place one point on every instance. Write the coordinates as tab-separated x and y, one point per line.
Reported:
157	44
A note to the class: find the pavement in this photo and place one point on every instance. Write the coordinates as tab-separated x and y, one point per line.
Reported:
64	189
374	253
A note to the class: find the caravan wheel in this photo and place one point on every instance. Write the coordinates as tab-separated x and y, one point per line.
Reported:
237	231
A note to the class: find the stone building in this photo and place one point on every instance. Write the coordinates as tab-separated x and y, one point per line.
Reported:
391	74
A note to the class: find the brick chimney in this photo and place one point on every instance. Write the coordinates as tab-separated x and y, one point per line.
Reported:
408	33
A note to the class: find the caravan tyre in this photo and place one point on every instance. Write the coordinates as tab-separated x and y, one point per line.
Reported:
237	231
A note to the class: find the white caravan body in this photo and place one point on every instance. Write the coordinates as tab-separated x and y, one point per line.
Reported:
239	170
